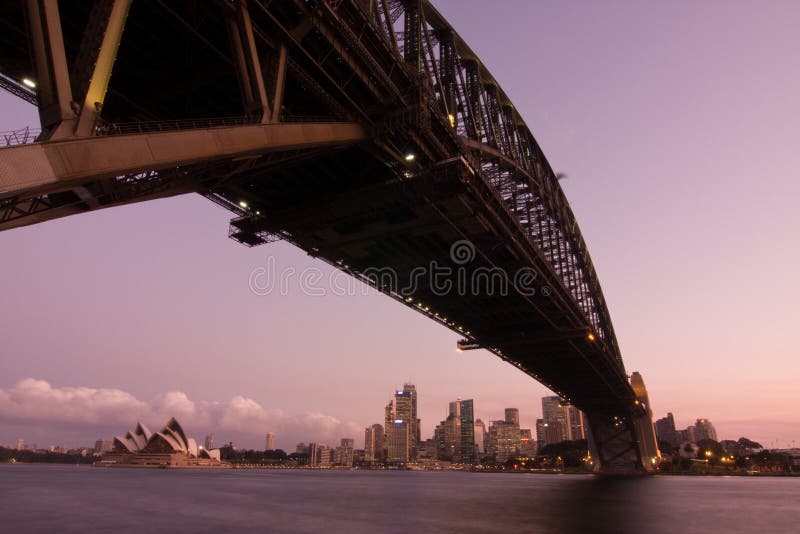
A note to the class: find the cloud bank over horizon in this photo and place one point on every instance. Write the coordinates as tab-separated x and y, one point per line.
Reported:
68	413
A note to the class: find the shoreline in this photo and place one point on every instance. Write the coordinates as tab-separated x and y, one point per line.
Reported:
477	471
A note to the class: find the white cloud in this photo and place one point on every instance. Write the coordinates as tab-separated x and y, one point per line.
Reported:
241	419
33	400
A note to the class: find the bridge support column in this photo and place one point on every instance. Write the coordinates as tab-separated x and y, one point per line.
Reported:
643	423
60	115
52	75
613	444
625	443
254	92
111	30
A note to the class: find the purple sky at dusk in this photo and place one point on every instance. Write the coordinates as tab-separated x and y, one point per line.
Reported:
677	124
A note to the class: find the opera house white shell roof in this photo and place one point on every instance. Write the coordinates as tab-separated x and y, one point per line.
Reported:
170	439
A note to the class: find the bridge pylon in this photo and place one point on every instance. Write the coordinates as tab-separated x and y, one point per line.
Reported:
625	443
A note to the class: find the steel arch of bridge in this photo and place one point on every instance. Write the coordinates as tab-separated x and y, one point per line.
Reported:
291	91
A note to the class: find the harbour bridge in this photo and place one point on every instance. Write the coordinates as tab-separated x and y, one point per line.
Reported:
365	132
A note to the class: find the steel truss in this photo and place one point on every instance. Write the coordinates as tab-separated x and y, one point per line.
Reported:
392	76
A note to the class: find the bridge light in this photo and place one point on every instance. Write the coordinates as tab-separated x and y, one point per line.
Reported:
452	120
243	204
590	336
30	83
410	157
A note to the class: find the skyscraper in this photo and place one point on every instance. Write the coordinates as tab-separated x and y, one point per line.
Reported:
401	416
480	436
373	444
576	425
504	440
527	443
398	441
458	433
560	421
467	431
541	439
269	442
208	443
512	416
555	419
452	435
344	453
665	429
319	455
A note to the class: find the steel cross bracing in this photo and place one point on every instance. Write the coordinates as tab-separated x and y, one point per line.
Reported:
298	116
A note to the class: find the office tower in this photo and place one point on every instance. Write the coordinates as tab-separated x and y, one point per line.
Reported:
703	429
555	419
452	438
467	423
388	419
455	436
564	421
512	416
269	442
480	436
576	425
313	454
208	443
439	442
373	443
541	440
527	446
325	456
319	455
406	409
665	429
398	441
301	448
343	455
553	433
20	444
403	409
504	440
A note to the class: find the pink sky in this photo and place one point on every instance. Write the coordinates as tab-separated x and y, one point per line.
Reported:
677	125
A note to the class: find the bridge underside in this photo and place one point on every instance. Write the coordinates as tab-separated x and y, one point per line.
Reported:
366	133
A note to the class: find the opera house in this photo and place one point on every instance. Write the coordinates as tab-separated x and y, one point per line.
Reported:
168	448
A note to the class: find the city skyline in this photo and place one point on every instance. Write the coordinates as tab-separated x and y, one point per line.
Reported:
569	422
666	161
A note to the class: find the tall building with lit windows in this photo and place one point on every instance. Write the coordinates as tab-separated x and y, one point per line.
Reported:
576	423
402	425
541	439
512	416
555	420
467	416
373	443
480	436
560	422
398	442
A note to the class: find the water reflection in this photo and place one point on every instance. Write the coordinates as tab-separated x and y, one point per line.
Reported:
43	499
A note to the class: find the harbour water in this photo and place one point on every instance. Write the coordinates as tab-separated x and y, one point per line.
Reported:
45	498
